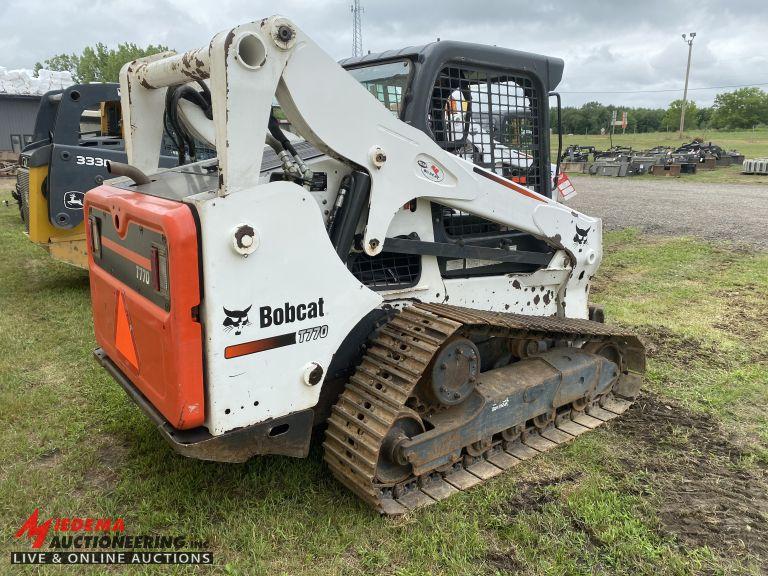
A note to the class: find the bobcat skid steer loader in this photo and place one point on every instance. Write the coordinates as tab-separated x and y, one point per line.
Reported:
384	281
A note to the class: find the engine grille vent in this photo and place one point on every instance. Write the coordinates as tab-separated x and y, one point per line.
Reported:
22	185
386	270
463	225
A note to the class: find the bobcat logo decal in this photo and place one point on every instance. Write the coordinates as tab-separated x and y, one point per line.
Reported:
581	235
236	320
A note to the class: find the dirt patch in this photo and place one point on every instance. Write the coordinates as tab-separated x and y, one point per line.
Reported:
661	343
109	458
534	495
49	459
745	317
505	562
706	496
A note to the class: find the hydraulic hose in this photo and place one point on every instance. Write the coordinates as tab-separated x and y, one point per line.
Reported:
186	92
277	134
121	169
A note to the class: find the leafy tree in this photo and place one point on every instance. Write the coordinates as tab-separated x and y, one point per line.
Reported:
703	117
98	63
672	116
592	116
596	116
62	62
742	108
646	119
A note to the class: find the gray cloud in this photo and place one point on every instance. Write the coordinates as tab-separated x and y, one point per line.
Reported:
631	47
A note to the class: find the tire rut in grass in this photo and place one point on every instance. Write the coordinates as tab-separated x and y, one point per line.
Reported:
664	344
534	495
531	498
708	495
505	562
746	317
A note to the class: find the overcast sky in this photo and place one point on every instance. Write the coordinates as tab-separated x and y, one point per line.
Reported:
607	46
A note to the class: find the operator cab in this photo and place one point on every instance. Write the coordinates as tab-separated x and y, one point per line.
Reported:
488	105
76	131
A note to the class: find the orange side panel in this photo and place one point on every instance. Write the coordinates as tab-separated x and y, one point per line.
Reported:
156	344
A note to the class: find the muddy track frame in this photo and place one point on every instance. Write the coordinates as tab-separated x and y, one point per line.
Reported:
398	359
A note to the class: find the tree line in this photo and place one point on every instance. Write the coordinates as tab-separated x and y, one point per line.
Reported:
98	63
742	108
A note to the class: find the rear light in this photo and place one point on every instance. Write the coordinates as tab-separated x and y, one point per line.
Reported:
160	269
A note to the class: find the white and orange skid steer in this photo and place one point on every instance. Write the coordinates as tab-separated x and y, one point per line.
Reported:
386	271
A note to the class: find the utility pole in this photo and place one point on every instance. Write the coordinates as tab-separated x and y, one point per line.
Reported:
688	40
357	28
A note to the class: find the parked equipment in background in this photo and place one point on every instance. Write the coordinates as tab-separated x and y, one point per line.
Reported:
756	166
700	151
576	153
666	170
388	279
78	132
614	153
623	161
9	168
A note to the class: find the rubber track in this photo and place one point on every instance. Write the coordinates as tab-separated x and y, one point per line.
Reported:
398	356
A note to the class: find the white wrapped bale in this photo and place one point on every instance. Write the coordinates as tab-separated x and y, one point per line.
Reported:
24	82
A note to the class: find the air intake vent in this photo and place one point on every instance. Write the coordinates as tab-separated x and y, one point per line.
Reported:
22	186
463	225
387	270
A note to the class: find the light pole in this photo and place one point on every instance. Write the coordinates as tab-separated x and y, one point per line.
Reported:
688	40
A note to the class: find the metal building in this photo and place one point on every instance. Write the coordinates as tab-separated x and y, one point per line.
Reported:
17	121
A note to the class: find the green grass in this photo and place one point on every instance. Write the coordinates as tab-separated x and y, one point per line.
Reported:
753	144
73	444
714	303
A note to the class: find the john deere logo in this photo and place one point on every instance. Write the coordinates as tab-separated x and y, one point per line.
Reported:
74	200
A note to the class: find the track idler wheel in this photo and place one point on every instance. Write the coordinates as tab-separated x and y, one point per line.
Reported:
607	350
526	347
391	467
454	372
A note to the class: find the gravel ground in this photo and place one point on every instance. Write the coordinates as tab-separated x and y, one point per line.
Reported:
732	212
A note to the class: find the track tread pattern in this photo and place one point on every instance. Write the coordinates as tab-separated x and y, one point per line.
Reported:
398	357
